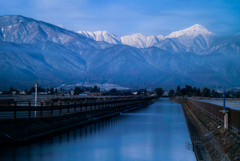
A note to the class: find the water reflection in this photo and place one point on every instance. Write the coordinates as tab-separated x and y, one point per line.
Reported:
157	132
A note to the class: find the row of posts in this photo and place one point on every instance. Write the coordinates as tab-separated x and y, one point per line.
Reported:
101	104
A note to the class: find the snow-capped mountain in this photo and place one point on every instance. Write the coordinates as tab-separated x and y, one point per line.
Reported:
191	32
101	36
32	50
193	39
136	40
19	29
140	41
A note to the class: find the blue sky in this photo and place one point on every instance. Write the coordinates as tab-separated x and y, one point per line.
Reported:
123	17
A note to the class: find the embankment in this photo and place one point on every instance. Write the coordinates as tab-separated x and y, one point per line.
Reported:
210	141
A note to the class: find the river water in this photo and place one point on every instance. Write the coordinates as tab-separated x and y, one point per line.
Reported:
154	133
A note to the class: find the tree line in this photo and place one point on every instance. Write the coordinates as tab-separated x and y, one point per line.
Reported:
205	92
190	91
80	90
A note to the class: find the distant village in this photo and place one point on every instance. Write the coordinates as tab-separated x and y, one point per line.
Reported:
78	90
95	90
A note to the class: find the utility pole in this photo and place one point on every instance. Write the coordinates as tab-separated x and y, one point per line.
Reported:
35	85
225	112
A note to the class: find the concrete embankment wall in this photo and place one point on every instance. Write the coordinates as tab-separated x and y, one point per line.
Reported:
23	130
215	111
209	139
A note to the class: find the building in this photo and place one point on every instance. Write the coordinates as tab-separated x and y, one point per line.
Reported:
14	92
22	92
95	94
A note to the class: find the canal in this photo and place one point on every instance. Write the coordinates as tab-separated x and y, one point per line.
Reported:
154	133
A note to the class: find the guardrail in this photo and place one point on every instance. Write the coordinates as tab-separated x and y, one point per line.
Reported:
215	111
57	107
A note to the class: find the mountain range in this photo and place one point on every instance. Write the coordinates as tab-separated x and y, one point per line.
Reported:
185	37
32	50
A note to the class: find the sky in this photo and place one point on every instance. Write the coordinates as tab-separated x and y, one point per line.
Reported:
124	17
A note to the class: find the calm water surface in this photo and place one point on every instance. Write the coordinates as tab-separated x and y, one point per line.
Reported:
154	133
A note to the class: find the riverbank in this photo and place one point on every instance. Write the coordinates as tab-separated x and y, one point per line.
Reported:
209	139
21	131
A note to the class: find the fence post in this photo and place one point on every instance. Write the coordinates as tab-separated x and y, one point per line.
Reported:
51	108
81	105
106	103
75	105
29	109
15	109
90	105
41	114
68	106
95	104
60	107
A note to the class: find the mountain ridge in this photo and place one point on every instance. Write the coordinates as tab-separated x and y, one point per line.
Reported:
141	41
32	50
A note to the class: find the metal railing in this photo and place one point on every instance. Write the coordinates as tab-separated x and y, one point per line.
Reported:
215	111
57	107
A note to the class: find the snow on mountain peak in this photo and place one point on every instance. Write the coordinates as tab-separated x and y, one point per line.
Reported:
192	31
137	40
101	36
141	41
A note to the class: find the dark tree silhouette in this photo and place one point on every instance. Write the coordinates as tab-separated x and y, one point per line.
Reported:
159	91
78	91
171	93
